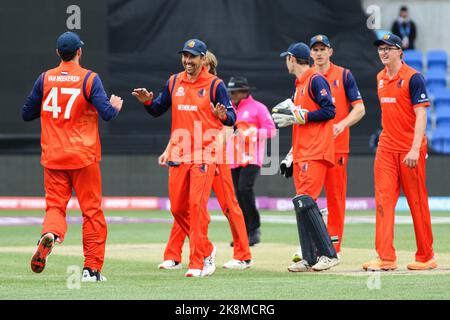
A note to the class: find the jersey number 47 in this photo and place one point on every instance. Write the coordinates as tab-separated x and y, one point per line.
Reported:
51	102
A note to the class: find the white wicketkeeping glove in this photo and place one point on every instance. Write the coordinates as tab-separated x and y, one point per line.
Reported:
286	114
286	167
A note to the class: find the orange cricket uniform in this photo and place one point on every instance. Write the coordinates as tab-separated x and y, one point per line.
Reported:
194	146
345	94
313	145
224	190
71	152
399	97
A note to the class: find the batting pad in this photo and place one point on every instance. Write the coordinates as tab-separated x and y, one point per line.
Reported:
309	250
308	212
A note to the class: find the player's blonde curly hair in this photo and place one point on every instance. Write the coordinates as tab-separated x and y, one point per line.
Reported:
211	62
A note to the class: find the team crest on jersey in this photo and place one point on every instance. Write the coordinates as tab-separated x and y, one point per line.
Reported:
201	93
323	92
400	83
336	83
246	114
180	92
203	168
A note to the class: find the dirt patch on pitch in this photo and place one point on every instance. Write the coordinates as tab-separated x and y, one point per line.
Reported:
267	257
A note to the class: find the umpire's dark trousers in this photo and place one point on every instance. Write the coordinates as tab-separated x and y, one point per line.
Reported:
244	179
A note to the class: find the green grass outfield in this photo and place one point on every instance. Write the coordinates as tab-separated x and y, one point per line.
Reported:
134	251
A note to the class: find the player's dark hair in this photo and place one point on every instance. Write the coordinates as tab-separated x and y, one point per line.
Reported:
302	61
67	56
403	8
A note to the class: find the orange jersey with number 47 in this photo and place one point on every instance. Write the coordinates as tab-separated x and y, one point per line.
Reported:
69	121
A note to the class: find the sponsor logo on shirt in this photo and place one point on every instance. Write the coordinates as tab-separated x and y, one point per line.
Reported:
380	84
400	83
245	114
180	92
388	100
187	107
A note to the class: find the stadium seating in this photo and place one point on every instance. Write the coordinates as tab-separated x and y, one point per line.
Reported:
440	140
413	58
436	78
441	99
443	118
437	59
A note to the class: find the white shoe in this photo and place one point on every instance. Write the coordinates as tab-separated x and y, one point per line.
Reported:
238	264
170	265
325	263
300	266
209	264
90	275
297	256
193	273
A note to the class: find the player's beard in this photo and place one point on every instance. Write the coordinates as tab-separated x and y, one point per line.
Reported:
191	68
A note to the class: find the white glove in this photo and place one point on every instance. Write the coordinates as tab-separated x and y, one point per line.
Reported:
286	114
286	167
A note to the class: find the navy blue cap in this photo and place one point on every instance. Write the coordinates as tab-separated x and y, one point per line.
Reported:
69	42
195	47
320	38
390	39
298	50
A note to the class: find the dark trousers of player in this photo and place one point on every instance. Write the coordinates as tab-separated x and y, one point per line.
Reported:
244	179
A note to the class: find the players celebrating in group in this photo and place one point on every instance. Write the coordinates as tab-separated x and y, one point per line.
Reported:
325	103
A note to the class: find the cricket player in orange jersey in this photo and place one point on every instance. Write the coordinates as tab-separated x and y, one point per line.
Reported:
223	188
200	109
310	113
349	111
68	99
401	157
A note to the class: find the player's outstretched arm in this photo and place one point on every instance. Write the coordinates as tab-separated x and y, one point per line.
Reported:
108	109
154	106
116	102
142	95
